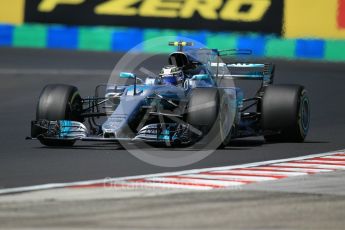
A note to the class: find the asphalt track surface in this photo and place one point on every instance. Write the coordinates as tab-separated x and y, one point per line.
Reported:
24	72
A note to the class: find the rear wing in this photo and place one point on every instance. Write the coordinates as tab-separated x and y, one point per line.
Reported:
245	71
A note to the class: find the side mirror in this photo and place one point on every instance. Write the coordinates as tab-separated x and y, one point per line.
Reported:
131	76
127	75
201	77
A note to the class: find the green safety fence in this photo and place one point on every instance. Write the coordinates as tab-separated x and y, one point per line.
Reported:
123	39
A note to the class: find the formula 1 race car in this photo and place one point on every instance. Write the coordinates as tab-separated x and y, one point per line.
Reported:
192	100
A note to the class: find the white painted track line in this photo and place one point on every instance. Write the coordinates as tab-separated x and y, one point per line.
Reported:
341	163
233	177
334	157
314	165
293	169
266	172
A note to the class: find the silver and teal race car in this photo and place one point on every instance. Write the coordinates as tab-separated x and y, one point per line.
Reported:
193	100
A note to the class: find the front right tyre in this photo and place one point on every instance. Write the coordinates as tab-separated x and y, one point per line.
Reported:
207	112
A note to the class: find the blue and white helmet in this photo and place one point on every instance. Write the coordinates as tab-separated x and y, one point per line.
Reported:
171	75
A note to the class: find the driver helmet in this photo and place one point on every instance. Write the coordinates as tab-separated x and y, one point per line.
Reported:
171	75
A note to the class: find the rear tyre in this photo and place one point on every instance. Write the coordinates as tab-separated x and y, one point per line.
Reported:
59	102
285	113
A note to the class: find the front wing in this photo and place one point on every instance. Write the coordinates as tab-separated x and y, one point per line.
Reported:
169	133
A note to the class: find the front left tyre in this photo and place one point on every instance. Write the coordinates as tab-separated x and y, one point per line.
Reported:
59	102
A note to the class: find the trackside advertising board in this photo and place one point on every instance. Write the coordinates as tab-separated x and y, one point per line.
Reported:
314	19
321	19
227	15
12	11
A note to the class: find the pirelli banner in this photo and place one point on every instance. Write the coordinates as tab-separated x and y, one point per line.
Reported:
265	16
290	18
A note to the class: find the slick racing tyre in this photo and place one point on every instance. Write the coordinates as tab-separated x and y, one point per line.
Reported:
285	113
59	102
204	115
